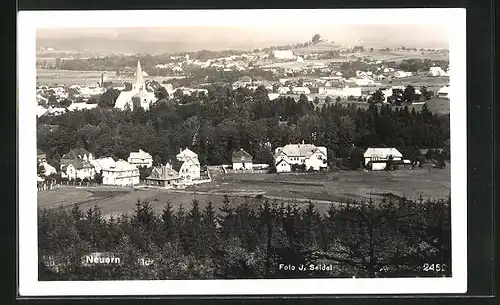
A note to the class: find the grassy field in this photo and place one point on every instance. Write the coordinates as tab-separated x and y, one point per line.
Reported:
320	188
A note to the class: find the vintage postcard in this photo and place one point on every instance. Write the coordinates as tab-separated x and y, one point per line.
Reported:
201	153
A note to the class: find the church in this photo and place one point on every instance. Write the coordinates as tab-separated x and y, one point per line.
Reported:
139	96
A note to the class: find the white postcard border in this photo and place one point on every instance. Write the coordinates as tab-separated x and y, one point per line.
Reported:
29	285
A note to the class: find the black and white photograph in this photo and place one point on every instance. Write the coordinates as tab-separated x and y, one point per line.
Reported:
319	149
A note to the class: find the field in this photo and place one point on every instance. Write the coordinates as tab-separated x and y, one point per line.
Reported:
66	77
418	81
319	188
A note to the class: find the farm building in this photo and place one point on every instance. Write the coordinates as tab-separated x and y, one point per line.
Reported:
242	160
121	173
300	154
376	158
164	176
140	159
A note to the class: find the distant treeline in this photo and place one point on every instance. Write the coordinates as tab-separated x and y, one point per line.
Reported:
256	239
224	120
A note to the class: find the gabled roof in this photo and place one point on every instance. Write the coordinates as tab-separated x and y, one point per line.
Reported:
77	164
241	156
141	154
298	150
76	153
186	154
382	152
103	163
281	161
163	173
121	166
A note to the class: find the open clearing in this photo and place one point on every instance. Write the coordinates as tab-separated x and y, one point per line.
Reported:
321	188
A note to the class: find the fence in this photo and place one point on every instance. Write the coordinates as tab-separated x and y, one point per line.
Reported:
48	187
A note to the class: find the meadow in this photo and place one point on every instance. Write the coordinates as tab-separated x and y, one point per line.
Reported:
320	188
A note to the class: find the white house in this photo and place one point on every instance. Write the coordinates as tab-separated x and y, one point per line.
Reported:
140	159
77	168
283	90
121	173
187	165
273	96
102	163
437	71
301	90
376	158
298	154
242	160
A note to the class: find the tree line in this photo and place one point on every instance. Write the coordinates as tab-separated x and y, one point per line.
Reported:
224	120
255	239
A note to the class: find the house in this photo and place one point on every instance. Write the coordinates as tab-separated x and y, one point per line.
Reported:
301	90
47	168
242	160
376	158
78	153
308	155
273	96
40	111
102	163
120	173
164	176
437	71
77	168
140	159
283	90
187	165
444	92
139	96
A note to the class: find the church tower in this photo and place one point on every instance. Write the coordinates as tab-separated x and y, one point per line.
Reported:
139	78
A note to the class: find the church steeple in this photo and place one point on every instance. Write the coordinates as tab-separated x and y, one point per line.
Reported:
139	77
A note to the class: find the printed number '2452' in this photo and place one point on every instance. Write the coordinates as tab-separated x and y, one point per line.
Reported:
434	267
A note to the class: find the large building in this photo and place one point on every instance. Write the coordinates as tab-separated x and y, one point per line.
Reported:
140	159
187	165
121	173
307	155
377	158
139	96
242	160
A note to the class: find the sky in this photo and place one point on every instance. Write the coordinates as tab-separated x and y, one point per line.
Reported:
211	37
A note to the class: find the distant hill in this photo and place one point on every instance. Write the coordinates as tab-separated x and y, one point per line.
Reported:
105	45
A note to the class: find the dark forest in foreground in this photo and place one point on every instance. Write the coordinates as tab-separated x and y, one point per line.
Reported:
387	238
